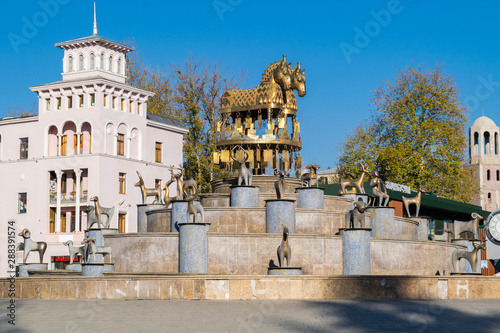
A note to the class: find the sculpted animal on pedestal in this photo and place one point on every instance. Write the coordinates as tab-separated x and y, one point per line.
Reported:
74	250
471	226
379	190
30	245
279	185
356	183
413	200
100	210
307	178
168	199
243	173
148	192
191	191
355	218
92	218
180	183
471	257
93	249
284	250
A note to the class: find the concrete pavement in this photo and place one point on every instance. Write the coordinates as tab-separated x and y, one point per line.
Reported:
479	315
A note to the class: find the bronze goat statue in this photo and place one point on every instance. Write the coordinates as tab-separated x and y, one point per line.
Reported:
30	245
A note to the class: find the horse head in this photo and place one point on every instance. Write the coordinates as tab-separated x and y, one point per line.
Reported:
299	80
282	75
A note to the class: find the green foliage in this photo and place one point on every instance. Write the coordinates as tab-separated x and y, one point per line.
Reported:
416	136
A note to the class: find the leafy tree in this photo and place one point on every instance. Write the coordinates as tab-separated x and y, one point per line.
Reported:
416	136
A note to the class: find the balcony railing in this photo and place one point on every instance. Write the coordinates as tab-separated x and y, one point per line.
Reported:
67	198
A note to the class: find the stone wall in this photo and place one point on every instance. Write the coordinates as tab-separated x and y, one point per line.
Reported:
190	287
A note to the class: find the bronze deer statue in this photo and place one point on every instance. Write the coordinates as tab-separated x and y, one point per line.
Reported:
417	200
148	192
356	183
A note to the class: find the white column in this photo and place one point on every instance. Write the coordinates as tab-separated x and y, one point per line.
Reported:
59	140
59	174
78	174
78	144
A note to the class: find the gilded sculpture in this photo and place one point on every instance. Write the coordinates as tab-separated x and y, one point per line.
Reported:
356	183
148	192
307	178
284	250
243	173
471	257
416	200
30	245
271	107
190	189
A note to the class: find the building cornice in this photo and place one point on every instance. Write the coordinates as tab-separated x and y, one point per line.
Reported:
175	129
9	120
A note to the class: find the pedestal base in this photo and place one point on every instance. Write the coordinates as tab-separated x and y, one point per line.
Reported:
356	250
96	269
244	196
279	214
74	267
311	197
423	228
193	244
284	271
178	214
382	222
142	218
98	234
25	269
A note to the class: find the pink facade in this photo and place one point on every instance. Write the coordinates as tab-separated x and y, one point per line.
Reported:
91	135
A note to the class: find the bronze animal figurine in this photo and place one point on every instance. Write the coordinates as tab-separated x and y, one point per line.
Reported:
471	257
180	187
74	250
279	185
30	245
379	190
91	217
356	183
191	192
100	210
148	192
355	218
307	178
93	249
243	173
471	226
417	200
166	198
284	250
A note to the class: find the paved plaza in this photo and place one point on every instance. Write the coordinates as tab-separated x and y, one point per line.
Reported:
254	316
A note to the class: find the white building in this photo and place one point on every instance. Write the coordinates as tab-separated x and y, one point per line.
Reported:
91	135
484	152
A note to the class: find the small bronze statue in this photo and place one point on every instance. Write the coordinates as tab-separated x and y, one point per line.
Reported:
279	185
356	183
471	226
417	200
91	217
355	218
91	248
148	192
100	210
471	257
307	178
178	178
191	192
379	190
284	250
74	250
30	245
166	198
243	173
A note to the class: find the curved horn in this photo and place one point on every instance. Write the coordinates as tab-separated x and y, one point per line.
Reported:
284	58
298	66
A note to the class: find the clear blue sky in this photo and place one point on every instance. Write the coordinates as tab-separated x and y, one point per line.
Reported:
248	35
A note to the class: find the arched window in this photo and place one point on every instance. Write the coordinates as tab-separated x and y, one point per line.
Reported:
101	61
496	143
119	66
476	143
487	145
110	64
498	175
70	64
488	175
489	197
80	63
92	61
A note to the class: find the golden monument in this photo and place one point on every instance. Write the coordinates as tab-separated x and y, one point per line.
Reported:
263	121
